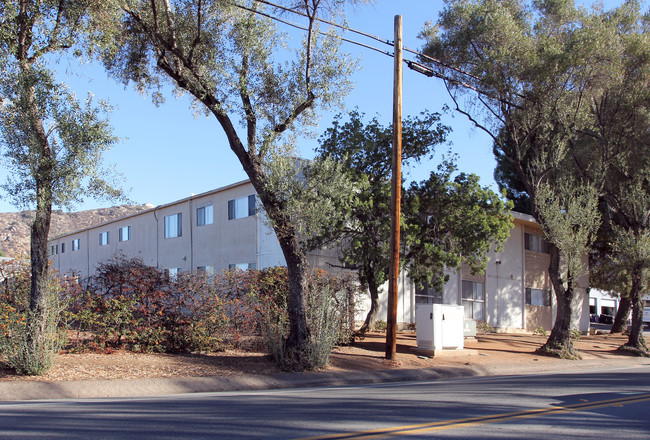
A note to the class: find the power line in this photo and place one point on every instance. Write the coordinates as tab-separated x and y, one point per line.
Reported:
297	26
413	65
331	23
421	68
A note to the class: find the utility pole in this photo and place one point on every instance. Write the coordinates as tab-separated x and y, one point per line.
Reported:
396	196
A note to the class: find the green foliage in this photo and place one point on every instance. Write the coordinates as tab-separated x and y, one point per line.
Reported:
313	194
330	313
22	351
238	68
540	331
380	326
51	139
564	135
449	222
363	225
484	328
570	220
575	334
52	144
78	135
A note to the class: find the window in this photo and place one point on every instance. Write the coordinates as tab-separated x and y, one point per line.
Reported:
173	272
538	297
125	233
242	207
427	295
607	310
63	248
535	243
204	215
75	244
173	226
242	266
592	306
207	270
473	300
103	238
54	249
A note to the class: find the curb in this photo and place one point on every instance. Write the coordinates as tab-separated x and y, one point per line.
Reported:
91	389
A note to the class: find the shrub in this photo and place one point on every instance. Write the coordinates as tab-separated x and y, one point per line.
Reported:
540	331
484	328
575	334
29	339
329	312
130	305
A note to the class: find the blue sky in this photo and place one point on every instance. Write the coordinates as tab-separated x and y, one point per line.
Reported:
166	154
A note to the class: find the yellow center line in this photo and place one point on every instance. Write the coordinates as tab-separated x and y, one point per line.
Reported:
470	421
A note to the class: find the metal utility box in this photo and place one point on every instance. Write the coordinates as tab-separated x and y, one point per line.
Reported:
439	326
470	328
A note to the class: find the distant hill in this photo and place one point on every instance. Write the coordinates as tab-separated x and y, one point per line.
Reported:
15	226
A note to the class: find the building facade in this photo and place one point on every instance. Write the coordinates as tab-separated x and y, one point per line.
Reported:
209	232
222	229
514	293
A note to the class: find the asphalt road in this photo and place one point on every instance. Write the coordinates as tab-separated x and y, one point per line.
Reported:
596	404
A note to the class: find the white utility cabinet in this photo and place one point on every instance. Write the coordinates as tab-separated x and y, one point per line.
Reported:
439	326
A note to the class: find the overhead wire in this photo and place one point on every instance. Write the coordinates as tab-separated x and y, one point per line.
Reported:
413	65
374	37
297	26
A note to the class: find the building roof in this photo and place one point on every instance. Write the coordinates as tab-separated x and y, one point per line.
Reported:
521	217
184	200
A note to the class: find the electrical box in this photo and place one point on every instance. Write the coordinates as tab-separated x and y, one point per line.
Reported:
439	326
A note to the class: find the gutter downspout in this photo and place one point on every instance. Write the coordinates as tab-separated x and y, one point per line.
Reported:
189	207
157	236
87	253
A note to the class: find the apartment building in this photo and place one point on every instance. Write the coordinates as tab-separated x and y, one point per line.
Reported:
209	232
222	229
514	294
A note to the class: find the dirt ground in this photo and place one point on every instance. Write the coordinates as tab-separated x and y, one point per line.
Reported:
491	351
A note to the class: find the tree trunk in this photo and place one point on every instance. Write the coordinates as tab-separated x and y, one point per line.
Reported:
559	343
622	314
297	346
636	342
38	252
373	288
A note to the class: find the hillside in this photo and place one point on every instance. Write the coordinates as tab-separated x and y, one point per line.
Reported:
14	226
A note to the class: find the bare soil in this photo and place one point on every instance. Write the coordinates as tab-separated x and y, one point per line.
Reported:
490	351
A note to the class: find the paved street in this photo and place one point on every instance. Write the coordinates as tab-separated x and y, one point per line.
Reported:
610	403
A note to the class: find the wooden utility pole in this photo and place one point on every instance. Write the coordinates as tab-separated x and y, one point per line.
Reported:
396	196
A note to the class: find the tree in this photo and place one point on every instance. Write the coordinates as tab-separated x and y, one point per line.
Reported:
448	221
611	153
230	60
52	143
524	69
606	275
506	176
451	221
364	150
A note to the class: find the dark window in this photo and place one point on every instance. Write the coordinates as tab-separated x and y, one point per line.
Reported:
538	297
